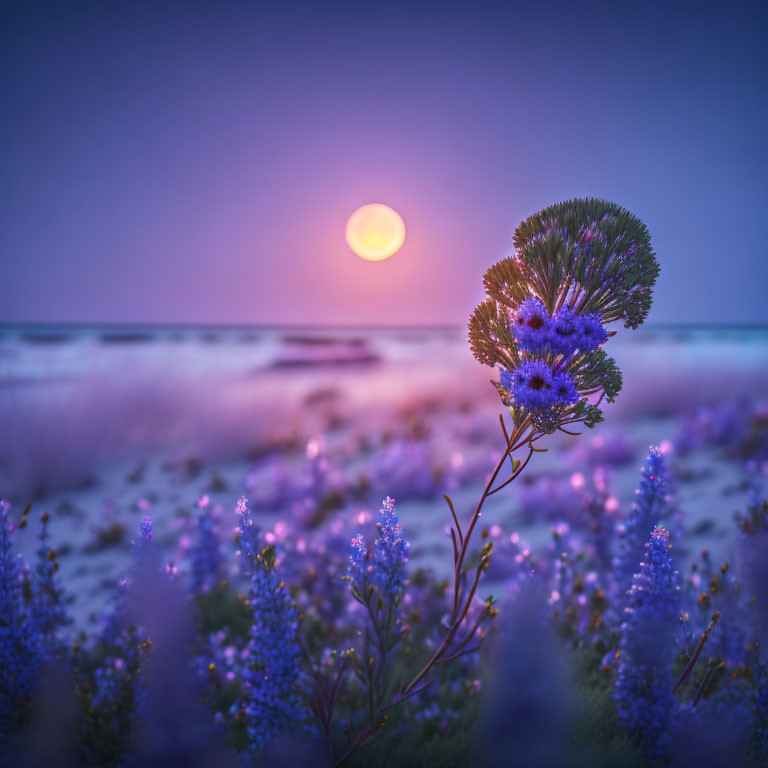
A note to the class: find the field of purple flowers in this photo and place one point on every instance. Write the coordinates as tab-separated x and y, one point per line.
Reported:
292	587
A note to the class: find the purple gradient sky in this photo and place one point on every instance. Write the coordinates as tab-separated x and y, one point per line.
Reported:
198	163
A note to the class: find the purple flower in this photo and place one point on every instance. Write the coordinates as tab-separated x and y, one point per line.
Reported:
564	335
383	568
652	506
146	528
272	677
532	386
531	325
247	531
564	388
592	332
390	553
359	564
20	641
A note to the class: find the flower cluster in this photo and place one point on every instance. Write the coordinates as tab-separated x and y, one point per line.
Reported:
652	506
557	364
536	387
578	266
270	679
145	529
383	567
247	532
272	695
643	685
563	334
20	641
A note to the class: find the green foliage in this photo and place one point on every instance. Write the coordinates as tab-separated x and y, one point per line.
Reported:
596	372
596	245
490	338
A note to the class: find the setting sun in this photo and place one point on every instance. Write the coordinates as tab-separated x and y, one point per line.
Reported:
375	232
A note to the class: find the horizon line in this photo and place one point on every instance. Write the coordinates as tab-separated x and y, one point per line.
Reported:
146	326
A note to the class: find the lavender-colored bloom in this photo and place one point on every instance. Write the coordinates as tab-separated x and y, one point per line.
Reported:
643	685
48	608
564	388
247	531
143	550
565	332
390	554
651	507
146	528
531	325
532	386
382	568
271	679
206	553
360	564
20	641
592	332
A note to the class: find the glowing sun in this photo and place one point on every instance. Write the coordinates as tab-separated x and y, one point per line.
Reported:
375	232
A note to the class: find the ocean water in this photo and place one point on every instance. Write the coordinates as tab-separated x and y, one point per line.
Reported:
100	426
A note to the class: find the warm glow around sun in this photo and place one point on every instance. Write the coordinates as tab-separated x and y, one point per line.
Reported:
375	232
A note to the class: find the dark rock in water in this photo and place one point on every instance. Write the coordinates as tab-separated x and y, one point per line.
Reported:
323	341
34	337
318	351
127	337
330	362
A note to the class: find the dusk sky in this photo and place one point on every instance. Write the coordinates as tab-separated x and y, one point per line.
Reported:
173	163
